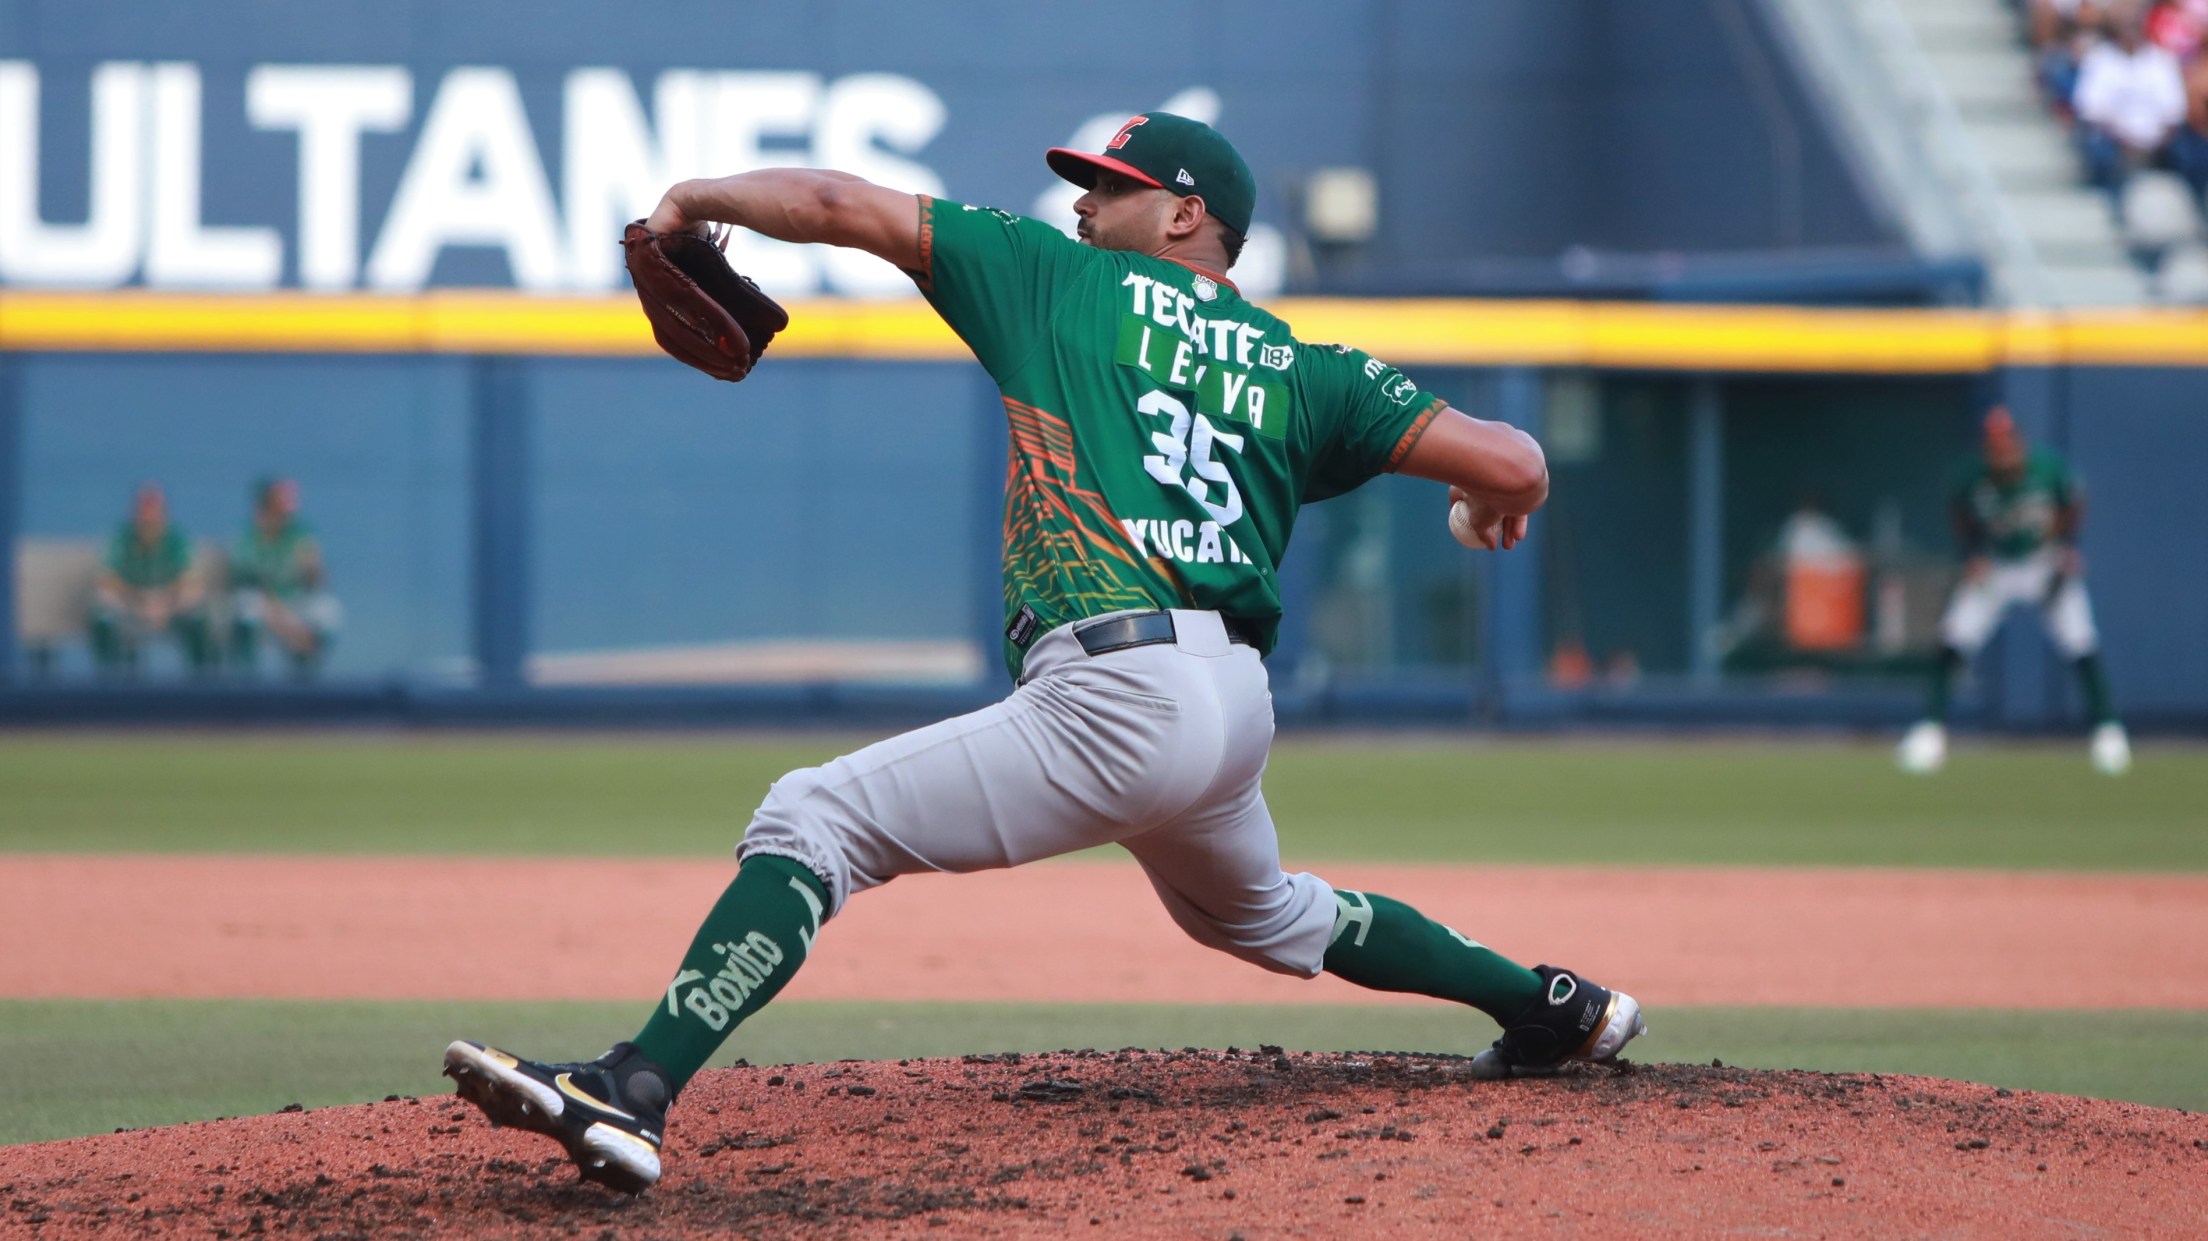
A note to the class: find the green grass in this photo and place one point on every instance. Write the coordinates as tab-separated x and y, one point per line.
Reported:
1404	799
70	1067
1726	801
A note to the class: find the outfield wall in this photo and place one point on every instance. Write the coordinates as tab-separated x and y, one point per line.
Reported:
374	251
507	523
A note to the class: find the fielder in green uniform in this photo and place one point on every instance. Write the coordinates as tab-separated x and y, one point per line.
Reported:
148	587
2017	513
1164	433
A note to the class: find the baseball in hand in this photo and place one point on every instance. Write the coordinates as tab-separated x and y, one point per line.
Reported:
1460	524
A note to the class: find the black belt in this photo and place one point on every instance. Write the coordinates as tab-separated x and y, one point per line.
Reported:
1139	629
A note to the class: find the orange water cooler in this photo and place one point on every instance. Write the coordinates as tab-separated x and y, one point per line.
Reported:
1824	602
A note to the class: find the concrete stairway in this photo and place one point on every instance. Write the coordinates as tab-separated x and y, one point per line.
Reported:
1935	103
1975	50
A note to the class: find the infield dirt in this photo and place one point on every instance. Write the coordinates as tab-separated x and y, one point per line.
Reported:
1173	1144
1137	1144
126	926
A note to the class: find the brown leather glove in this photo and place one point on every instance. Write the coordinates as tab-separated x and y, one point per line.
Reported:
702	312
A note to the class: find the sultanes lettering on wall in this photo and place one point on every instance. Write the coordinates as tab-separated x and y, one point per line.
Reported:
474	174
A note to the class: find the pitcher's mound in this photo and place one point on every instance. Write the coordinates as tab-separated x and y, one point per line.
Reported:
1174	1144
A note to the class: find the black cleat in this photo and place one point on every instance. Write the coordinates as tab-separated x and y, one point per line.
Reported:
610	1113
1574	1020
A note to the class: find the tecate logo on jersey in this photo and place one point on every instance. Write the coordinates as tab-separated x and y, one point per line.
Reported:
473	174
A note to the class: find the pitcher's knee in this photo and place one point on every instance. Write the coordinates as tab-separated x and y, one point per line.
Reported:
1286	935
1265	953
795	822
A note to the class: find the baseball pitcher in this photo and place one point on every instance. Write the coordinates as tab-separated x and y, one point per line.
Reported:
2016	513
1164	433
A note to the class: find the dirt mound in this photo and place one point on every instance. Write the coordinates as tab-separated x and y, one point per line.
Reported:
1172	1144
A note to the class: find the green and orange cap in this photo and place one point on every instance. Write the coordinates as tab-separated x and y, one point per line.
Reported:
1173	153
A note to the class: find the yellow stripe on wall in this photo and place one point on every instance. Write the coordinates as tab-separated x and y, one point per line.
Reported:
1407	332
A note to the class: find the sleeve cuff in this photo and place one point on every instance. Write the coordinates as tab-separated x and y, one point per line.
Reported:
924	275
1413	433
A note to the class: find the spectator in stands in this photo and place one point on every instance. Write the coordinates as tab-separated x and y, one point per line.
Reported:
278	581
2063	31
2053	21
148	587
2129	102
2189	148
2178	26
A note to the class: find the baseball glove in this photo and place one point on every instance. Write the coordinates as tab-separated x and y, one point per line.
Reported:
702	312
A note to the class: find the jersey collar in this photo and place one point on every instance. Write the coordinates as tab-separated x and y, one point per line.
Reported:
1221	277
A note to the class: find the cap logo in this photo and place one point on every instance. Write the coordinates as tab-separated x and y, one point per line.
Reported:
1125	131
1185	179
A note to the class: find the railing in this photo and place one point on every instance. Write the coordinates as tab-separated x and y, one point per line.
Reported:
1900	122
2019	279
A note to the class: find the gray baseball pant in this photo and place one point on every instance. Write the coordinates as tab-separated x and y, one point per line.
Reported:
1158	749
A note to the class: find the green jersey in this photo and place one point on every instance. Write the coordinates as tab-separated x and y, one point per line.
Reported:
276	564
2014	518
1163	430
144	567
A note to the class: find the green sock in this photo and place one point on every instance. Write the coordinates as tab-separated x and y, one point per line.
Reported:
1384	944
757	935
1943	683
107	643
199	649
2095	680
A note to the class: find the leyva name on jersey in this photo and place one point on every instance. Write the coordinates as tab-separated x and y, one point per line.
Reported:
1162	336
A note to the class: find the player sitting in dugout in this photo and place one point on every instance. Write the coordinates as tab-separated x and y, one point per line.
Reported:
278	584
148	587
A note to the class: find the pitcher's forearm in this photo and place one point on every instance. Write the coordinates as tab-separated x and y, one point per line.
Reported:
801	205
1513	477
782	203
1494	463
